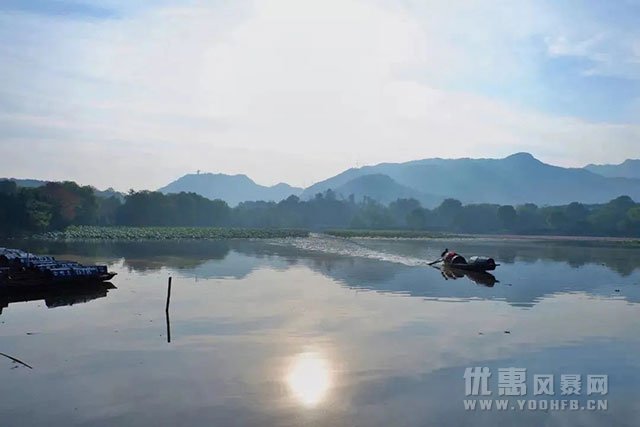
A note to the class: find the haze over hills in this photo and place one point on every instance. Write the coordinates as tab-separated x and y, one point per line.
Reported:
34	183
516	179
29	183
630	168
384	189
231	188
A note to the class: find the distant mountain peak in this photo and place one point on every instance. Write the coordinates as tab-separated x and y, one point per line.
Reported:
282	185
523	155
239	175
627	162
631	162
630	168
233	189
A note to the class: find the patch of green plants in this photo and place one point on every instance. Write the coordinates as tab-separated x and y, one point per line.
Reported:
83	232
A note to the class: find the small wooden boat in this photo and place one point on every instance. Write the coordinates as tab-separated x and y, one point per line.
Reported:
23	269
474	263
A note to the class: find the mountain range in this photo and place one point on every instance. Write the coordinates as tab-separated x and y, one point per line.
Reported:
231	188
516	179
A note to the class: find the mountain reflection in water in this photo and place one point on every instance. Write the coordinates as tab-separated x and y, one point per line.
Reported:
530	270
319	331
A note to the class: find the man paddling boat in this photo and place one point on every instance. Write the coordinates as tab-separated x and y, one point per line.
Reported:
475	263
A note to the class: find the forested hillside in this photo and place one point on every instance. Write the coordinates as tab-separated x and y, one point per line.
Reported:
55	206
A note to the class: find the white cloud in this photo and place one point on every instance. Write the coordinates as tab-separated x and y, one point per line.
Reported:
284	91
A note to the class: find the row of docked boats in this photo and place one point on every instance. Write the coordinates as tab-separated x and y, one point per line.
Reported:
23	269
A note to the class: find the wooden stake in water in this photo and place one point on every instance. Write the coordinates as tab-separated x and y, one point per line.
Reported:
166	310
168	295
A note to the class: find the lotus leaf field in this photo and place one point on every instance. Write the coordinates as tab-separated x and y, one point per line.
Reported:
167	233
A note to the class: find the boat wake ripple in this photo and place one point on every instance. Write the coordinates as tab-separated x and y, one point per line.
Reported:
351	248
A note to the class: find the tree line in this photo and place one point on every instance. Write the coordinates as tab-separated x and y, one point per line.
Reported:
57	205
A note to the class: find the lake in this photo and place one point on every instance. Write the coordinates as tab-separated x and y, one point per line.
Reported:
328	331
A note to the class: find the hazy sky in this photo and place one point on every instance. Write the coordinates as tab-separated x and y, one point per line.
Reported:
134	94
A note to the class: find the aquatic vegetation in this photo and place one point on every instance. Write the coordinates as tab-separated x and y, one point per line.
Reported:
166	233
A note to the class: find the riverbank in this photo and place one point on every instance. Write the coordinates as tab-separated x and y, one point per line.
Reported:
389	234
417	235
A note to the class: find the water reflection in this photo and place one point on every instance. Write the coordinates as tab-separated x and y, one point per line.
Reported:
478	277
241	257
391	355
530	270
309	378
55	296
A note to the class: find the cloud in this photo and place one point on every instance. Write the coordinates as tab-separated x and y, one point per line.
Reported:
606	54
605	35
282	91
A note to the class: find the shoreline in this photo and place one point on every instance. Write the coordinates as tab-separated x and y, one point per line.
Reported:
160	233
389	235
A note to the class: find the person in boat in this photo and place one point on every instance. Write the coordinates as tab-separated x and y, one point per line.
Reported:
452	257
477	263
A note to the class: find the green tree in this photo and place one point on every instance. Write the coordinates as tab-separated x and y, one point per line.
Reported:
417	219
448	212
477	218
611	218
556	220
8	187
529	219
401	208
507	216
38	215
576	212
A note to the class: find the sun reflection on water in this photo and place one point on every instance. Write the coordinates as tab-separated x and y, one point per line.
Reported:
309	378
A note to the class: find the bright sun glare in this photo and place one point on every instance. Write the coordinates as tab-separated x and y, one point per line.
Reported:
309	378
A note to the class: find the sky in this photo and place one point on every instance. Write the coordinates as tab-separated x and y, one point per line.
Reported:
132	94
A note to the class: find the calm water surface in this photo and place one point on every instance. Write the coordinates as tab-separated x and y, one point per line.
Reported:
319	331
